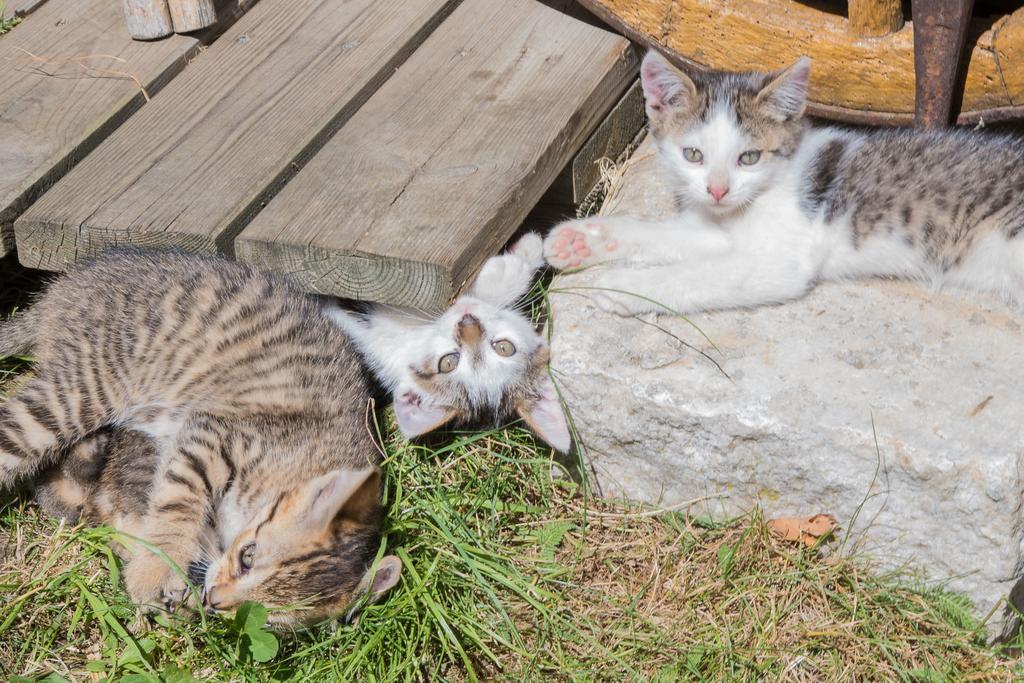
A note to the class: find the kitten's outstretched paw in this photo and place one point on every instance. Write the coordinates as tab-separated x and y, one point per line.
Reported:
153	585
576	243
530	248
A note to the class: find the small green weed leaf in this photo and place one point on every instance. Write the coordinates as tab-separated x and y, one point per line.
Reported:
250	616
726	560
175	674
550	536
263	645
96	666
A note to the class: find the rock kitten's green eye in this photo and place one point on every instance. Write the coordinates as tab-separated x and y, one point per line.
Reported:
247	556
693	155
448	363
504	348
750	158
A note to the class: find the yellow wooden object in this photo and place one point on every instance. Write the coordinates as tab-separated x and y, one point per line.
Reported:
852	78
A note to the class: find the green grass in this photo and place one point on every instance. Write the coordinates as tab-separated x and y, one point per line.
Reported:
512	572
7	24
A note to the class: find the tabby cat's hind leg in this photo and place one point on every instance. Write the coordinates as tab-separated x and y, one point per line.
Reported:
66	490
41	419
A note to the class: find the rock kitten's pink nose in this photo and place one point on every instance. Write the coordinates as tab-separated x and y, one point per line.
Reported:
718	191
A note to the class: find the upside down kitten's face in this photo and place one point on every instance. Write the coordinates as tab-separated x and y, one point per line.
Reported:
476	361
723	137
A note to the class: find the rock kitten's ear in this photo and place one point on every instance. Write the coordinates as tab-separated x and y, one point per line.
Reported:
341	494
377	583
544	414
415	414
785	96
666	88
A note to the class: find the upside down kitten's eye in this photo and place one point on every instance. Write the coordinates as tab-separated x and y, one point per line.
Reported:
448	363
692	154
751	157
247	556
503	347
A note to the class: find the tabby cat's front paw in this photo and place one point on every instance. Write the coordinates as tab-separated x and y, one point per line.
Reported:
577	243
153	585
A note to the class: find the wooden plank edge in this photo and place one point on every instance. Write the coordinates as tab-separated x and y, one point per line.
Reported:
19	9
30	235
622	71
362	277
45	245
815	109
9	221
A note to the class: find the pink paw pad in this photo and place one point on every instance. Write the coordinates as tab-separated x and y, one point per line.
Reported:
563	255
584	252
575	262
611	245
566	232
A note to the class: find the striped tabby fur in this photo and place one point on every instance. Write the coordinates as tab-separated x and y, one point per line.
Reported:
213	411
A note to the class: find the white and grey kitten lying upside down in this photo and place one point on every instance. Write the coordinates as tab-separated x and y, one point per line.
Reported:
771	205
481	360
224	420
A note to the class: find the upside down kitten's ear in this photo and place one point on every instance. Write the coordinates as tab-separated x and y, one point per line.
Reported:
666	88
543	413
416	415
341	494
785	95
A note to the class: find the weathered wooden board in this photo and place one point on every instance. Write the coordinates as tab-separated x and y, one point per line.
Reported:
69	75
193	166
20	8
438	168
868	80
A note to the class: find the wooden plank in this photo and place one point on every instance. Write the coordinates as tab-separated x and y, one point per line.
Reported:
853	79
192	168
147	19
20	8
70	75
609	141
441	165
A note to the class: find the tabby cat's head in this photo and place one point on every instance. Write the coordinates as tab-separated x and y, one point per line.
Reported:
724	136
308	553
480	362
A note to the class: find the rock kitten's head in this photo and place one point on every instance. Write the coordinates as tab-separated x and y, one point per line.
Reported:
307	555
480	362
723	136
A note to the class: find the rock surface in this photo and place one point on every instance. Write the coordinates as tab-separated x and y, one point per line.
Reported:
896	409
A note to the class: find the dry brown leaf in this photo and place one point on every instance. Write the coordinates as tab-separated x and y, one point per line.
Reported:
806	529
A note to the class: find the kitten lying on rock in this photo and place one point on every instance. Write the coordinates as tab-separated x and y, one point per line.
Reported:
213	411
481	360
771	205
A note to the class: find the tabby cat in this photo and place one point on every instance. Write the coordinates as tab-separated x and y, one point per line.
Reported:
224	422
770	205
480	361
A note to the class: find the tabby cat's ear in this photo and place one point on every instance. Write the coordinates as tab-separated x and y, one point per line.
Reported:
376	583
347	494
416	415
666	88
543	413
785	96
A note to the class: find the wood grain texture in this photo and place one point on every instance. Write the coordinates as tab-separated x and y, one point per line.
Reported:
194	166
70	75
20	8
147	19
192	15
441	165
874	18
609	141
852	79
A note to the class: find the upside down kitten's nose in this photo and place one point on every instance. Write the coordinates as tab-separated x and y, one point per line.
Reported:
469	329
